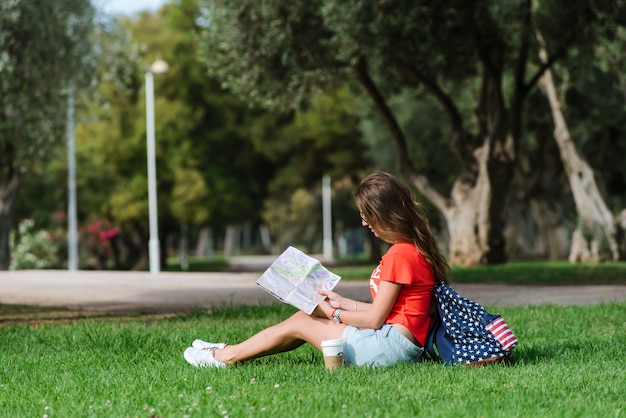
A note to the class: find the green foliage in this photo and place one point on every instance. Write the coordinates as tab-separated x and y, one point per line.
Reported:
188	196
45	48
427	135
203	147
294	221
202	152
270	54
207	140
46	52
93	368
321	139
44	192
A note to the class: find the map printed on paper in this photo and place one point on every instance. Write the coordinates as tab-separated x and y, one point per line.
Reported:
295	278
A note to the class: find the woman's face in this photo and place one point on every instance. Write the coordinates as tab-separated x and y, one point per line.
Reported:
364	223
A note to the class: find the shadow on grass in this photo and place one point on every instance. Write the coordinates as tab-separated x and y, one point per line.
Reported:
539	354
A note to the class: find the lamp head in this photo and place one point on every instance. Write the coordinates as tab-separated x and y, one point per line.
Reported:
159	67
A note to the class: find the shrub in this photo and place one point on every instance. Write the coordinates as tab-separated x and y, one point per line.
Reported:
34	249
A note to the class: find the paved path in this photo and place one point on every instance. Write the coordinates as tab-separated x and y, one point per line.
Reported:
172	292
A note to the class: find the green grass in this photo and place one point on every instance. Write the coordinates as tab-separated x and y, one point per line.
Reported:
535	272
570	363
543	272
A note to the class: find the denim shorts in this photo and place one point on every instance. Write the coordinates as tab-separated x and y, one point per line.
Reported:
378	347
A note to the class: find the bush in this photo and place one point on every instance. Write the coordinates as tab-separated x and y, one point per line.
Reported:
34	249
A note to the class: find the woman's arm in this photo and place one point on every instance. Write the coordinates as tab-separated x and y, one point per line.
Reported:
338	301
372	317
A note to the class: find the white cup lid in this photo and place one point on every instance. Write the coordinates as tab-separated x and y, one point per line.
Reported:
328	343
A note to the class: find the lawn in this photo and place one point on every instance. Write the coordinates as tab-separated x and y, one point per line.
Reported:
570	363
531	273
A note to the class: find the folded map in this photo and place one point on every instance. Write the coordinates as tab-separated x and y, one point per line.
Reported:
295	278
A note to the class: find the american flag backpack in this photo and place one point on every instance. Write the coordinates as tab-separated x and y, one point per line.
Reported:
463	332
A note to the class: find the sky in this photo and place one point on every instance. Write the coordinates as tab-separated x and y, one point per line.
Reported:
128	7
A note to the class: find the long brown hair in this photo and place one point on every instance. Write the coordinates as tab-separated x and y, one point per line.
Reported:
390	208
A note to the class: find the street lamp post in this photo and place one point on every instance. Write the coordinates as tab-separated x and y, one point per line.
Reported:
327	218
158	67
72	235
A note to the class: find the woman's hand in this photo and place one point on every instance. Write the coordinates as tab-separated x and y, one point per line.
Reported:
334	299
323	310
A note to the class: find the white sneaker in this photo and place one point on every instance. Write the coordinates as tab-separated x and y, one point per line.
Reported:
201	358
203	344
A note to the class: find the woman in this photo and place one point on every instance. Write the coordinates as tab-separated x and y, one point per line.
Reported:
394	326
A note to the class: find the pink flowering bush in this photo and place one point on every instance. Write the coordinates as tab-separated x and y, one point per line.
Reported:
97	243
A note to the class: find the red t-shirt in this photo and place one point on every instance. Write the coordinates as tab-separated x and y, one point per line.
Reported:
404	265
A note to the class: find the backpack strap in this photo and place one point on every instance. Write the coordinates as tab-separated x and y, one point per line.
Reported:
430	349
439	346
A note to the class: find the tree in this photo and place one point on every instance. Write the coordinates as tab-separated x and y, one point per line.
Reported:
280	53
45	48
594	238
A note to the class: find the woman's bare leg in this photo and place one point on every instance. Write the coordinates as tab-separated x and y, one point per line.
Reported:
284	336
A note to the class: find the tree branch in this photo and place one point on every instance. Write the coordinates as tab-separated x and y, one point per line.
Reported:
549	62
522	58
460	143
405	167
520	71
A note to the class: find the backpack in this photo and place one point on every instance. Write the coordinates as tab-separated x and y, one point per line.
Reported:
463	332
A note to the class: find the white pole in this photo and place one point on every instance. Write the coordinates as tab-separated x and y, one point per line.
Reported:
72	233
327	217
153	243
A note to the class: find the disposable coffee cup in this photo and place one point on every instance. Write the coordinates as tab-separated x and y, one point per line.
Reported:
333	353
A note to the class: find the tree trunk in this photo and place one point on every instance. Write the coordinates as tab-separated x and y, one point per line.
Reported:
231	240
467	217
9	192
594	239
205	244
473	216
138	239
